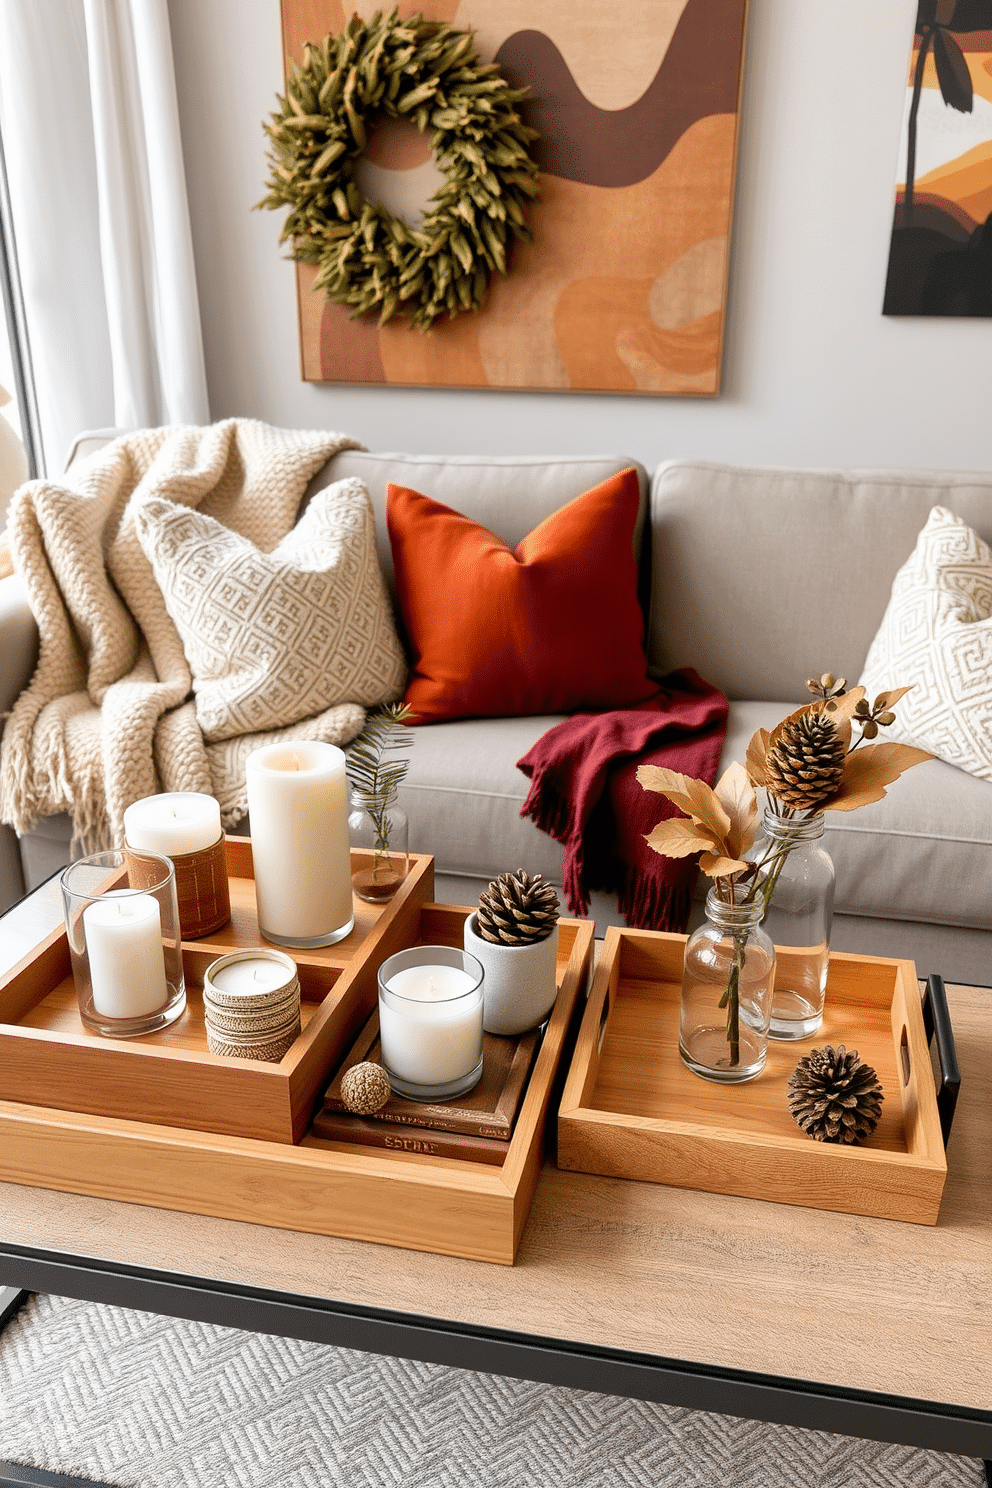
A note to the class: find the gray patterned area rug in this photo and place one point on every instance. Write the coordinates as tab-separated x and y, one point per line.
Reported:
139	1401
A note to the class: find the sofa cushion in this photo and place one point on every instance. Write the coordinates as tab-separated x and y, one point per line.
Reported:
924	852
507	495
275	637
762	578
937	632
550	626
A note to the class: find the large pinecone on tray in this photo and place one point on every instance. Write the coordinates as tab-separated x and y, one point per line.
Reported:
517	909
835	1097
805	766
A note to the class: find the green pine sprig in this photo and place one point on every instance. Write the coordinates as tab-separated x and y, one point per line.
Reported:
377	763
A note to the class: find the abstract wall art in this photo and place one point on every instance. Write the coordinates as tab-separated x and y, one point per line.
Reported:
623	287
940	257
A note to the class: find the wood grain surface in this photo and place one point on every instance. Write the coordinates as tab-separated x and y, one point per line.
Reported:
395	1197
47	1057
706	1278
631	1109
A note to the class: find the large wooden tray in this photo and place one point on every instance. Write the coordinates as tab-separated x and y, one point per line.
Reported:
631	1109
47	1058
450	1206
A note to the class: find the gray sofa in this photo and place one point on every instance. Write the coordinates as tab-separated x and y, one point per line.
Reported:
758	578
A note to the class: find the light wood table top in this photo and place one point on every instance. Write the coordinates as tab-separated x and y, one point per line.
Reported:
856	1305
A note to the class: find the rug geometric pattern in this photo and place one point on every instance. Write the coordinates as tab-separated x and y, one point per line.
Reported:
140	1401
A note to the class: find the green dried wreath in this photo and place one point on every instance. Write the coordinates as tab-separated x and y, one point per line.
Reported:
429	73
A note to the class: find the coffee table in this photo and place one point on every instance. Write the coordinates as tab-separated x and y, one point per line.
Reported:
865	1327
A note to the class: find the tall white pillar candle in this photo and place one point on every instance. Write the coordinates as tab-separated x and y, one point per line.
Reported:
123	934
298	811
174	823
431	1031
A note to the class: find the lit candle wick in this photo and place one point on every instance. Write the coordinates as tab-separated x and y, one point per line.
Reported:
296	762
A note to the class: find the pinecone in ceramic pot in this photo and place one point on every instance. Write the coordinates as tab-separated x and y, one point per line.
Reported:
805	766
835	1097
517	909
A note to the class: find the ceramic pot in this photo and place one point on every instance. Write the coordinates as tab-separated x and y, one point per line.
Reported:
521	984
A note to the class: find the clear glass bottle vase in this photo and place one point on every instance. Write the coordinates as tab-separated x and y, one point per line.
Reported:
798	888
727	981
380	835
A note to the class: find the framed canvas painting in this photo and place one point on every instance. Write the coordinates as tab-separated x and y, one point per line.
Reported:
623	287
940	257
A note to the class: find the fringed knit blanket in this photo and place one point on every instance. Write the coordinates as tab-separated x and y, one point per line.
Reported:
107	717
585	793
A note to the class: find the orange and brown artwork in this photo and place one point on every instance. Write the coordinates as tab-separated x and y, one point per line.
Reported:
940	259
623	288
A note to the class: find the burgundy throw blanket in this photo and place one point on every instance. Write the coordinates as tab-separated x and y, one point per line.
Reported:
585	793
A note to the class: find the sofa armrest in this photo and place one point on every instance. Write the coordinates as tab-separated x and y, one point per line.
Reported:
18	642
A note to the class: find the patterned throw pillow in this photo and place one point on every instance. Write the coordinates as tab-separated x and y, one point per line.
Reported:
275	637
937	635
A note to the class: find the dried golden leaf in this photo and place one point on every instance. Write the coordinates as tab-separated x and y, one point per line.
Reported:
757	751
679	838
692	796
886	700
736	794
719	867
842	709
868	770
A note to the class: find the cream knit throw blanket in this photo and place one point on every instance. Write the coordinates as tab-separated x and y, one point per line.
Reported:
106	718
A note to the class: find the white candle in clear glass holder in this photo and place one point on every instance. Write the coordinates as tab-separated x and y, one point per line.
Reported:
431	1029
174	823
123	933
298	818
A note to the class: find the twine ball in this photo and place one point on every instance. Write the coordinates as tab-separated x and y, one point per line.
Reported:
365	1089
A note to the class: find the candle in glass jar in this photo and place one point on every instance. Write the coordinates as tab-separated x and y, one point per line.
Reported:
123	933
431	1030
174	823
298	811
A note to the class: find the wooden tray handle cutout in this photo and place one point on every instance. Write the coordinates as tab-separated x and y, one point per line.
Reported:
604	1019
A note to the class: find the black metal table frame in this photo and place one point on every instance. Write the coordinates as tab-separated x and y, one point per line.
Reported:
551	1361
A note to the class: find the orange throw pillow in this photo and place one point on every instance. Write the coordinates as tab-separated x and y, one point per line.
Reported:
551	626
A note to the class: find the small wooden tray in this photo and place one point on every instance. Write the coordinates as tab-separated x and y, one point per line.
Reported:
412	1199
632	1110
47	1058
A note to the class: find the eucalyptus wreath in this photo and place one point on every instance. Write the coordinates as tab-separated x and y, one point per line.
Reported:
429	73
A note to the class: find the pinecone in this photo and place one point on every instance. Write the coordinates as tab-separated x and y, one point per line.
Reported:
806	764
834	1097
517	909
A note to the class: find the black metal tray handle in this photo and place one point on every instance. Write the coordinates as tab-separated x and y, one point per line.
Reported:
937	1024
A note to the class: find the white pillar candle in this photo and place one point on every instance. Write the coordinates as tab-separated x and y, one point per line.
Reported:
123	934
431	1033
298	810
174	823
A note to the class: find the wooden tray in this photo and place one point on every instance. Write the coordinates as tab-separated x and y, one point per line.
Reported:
47	1058
421	1202
631	1109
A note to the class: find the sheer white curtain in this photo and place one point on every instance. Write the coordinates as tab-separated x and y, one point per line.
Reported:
90	130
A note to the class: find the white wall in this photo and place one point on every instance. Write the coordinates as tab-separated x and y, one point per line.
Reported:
814	374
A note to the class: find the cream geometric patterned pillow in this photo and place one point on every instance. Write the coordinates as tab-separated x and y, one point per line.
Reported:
275	637
937	635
